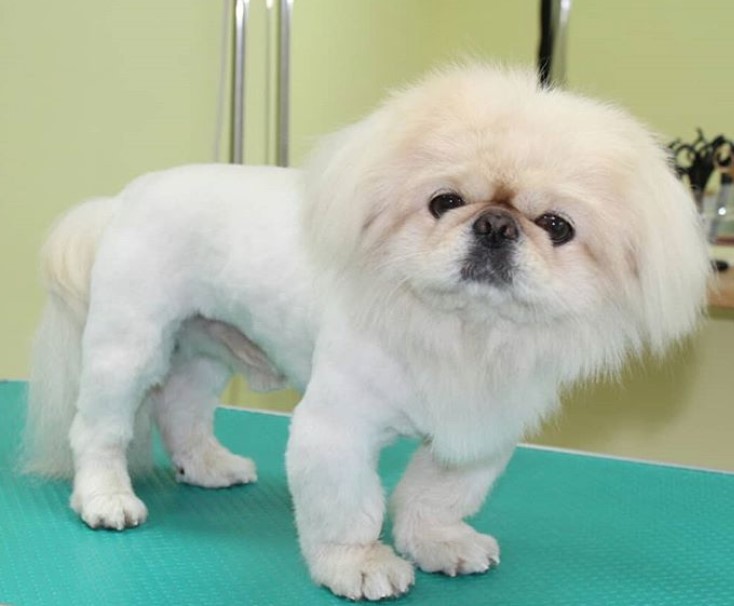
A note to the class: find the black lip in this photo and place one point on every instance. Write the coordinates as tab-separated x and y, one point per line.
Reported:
489	265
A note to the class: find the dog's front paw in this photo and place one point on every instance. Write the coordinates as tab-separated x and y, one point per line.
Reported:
213	466
110	510
371	572
452	550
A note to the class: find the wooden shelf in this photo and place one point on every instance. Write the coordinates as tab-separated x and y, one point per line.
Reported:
721	292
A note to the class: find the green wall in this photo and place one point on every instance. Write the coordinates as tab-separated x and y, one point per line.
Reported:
669	61
347	53
94	93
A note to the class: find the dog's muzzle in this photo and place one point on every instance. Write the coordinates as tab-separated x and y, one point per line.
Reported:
491	256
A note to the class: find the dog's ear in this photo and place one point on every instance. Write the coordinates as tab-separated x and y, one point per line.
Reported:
672	258
340	192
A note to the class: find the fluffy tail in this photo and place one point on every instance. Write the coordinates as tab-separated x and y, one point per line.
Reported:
66	261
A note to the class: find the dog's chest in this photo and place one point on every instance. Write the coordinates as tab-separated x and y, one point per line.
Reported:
469	417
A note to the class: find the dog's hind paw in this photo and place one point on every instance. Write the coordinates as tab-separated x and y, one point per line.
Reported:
213	466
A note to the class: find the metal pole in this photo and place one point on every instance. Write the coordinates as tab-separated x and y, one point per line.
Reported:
237	141
270	22
286	7
554	17
558	65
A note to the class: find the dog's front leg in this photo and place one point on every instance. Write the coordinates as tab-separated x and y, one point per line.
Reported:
430	505
339	503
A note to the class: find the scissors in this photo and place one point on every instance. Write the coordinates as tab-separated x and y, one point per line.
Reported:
699	159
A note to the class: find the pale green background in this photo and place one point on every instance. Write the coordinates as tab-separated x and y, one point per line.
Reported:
94	93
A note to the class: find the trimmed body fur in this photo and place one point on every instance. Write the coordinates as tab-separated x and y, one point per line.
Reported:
340	282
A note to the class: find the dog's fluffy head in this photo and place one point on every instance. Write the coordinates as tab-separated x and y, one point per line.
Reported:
476	192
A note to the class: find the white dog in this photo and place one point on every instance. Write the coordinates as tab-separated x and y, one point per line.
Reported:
453	261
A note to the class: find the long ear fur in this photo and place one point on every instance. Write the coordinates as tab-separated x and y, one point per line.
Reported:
337	177
673	260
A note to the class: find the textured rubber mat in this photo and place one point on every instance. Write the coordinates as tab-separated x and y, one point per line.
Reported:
574	530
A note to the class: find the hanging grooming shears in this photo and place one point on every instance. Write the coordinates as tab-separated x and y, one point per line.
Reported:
696	161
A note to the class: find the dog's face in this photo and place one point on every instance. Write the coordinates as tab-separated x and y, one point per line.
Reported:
478	190
522	202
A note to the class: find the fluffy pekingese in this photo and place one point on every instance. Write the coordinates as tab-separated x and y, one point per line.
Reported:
442	269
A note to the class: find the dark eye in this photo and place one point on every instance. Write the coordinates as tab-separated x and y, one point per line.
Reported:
442	203
559	230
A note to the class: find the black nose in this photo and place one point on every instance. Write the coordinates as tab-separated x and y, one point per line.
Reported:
496	228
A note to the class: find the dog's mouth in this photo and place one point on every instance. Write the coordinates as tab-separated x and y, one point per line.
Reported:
489	266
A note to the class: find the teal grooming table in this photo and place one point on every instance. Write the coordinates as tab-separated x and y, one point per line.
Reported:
575	530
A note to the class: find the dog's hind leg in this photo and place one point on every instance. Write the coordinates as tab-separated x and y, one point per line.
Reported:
123	357
184	411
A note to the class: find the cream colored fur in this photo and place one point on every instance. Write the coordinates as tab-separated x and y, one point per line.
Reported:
67	258
392	318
